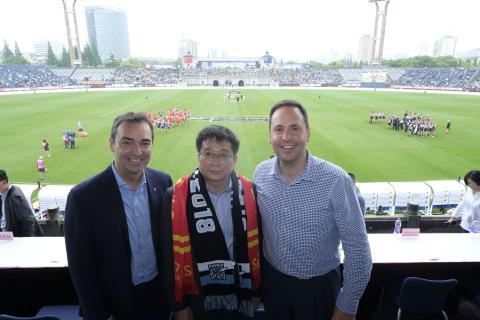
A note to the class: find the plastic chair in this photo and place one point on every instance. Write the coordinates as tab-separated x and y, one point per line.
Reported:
424	297
63	312
7	317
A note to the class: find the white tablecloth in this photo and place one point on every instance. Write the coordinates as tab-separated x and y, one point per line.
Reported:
45	252
41	252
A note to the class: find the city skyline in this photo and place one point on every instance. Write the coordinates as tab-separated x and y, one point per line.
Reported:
300	30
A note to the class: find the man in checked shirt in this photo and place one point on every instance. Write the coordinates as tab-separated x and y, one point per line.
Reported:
308	205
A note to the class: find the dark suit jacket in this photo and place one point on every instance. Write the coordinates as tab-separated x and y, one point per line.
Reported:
98	246
20	218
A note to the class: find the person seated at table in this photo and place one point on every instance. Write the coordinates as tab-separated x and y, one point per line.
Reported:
15	212
469	207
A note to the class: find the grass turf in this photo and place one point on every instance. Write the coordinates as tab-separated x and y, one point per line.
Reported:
340	131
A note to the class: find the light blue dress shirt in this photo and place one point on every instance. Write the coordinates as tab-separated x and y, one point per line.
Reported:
222	203
137	212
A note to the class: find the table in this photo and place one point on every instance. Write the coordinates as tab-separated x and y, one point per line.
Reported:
39	252
35	269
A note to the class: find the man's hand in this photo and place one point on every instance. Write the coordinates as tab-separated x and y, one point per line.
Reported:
185	314
340	315
256	302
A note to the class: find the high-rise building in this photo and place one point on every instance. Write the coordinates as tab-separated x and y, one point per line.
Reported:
41	49
187	47
364	48
108	30
445	46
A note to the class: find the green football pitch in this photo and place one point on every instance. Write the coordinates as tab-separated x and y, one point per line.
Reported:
340	131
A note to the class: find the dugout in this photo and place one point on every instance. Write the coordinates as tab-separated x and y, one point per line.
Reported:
412	192
379	197
447	194
53	196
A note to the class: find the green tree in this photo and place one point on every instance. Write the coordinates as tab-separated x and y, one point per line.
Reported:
112	62
51	58
95	56
315	64
336	64
17	50
7	53
87	56
132	63
65	61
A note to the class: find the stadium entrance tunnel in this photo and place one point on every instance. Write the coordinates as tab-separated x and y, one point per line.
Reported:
241	83
215	83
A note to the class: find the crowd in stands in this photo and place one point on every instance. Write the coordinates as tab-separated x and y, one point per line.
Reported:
313	76
144	76
30	76
24	76
473	86
436	77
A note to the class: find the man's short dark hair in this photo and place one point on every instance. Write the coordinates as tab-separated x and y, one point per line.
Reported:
130	117
3	175
291	104
219	133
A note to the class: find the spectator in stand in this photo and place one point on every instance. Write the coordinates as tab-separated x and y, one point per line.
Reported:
15	212
469	207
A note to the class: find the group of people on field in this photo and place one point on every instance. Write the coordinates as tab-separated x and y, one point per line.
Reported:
414	124
173	118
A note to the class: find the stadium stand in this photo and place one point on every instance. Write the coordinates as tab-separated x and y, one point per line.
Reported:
30	76
84	75
310	76
36	76
436	78
144	76
63	72
351	77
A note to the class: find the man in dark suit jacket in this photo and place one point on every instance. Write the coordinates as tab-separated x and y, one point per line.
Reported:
112	230
15	212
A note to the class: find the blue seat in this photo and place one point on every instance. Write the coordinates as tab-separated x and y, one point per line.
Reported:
7	317
63	312
424	297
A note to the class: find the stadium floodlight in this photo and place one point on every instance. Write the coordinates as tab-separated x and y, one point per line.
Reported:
377	54
71	4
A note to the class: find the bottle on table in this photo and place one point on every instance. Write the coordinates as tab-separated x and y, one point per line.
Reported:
475	227
398	226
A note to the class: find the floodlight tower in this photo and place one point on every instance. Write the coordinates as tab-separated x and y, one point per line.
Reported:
377	54
76	37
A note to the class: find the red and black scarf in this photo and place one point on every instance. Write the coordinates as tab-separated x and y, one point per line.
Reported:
197	236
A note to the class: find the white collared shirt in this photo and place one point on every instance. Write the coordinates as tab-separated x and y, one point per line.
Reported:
468	209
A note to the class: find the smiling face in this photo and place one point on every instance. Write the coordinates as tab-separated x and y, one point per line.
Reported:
132	148
216	162
289	136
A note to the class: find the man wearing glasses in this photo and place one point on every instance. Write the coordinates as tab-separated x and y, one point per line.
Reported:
210	221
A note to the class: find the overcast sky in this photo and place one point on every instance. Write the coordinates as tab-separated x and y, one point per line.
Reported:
299	29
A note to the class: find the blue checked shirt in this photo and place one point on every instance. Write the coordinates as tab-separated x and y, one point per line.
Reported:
305	220
137	212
